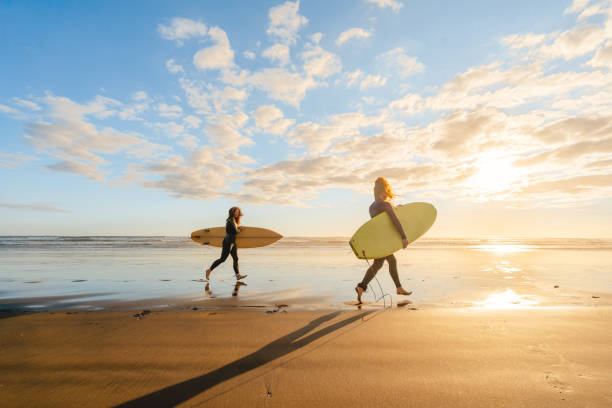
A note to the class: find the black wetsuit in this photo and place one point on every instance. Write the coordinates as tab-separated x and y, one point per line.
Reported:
229	246
377	207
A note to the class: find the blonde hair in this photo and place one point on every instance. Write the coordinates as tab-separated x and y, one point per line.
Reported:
381	186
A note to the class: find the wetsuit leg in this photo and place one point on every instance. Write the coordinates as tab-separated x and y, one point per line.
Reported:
234	253
393	270
371	272
224	253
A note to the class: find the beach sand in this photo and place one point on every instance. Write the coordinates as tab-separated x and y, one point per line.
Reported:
453	357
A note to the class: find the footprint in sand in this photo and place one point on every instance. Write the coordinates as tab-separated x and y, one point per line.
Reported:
553	380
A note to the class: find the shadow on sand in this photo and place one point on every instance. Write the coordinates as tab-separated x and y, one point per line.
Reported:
181	392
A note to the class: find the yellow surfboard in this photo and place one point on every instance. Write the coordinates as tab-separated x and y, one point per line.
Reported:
250	237
378	237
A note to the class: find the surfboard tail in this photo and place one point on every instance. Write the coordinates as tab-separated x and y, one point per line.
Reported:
357	254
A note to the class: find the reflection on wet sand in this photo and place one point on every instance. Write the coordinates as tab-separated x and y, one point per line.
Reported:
237	287
506	300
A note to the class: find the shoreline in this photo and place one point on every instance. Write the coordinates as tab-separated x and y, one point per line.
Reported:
563	298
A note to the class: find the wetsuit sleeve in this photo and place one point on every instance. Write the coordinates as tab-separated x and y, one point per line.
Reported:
231	227
396	222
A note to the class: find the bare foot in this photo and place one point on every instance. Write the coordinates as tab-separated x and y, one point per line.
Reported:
208	271
239	276
359	291
402	291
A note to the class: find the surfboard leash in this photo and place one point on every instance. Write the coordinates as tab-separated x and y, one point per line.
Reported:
382	294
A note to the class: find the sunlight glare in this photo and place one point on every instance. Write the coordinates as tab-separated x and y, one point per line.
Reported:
495	174
502	248
506	300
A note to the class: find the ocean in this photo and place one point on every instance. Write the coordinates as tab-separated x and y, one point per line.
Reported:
95	272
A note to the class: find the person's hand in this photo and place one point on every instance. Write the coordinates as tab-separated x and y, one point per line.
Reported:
404	243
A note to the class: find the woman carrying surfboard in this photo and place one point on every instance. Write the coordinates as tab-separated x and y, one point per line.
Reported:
382	195
232	228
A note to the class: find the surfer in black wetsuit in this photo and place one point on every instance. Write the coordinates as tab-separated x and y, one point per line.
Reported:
382	195
232	228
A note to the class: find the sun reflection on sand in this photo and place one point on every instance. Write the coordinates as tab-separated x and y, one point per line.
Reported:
506	300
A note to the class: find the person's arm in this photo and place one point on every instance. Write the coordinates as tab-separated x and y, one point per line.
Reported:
232	227
396	222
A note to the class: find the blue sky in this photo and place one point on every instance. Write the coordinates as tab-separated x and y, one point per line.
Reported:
154	118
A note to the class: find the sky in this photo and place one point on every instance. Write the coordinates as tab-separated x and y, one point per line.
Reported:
154	118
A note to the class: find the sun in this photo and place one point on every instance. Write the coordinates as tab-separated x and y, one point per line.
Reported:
495	174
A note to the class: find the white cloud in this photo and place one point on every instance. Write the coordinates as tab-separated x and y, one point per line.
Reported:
77	139
131	112
576	6
228	96
140	96
352	33
63	108
271	120
603	57
320	63
27	104
318	138
173	67
192	121
189	141
75	167
392	4
278	52
520	41
217	56
591	11
224	132
364	81
282	85
197	94
45	207
285	21
181	29
11	160
207	99
316	38
576	42
409	104
171	129
206	174
8	109
372	81
169	111
65	134
398	60
249	55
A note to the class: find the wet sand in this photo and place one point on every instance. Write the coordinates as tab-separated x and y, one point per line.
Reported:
532	357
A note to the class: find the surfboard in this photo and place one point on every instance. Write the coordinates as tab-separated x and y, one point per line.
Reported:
378	237
250	237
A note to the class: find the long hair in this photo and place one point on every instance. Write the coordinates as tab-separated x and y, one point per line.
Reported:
231	215
381	186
